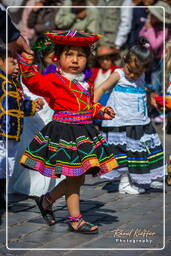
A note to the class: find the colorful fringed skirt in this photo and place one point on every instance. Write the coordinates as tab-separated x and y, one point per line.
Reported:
138	151
69	145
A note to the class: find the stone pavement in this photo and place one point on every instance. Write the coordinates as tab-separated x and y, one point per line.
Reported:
134	223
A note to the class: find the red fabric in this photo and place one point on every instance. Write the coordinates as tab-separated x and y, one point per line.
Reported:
96	70
73	40
59	92
163	102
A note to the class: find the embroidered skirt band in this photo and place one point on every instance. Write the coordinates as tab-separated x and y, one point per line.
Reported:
73	117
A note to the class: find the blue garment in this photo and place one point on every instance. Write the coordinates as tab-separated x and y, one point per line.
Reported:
13	32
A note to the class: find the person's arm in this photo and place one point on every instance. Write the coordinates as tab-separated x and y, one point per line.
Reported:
125	24
106	85
99	111
15	40
37	83
13	32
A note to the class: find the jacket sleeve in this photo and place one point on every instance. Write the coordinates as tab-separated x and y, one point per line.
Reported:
36	83
125	24
29	108
13	32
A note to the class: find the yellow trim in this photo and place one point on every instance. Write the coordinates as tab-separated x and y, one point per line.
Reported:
18	113
161	153
33	108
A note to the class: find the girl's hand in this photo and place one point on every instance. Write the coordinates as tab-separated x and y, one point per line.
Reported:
109	114
38	104
153	99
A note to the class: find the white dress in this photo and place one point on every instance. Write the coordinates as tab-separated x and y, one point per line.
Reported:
24	180
131	136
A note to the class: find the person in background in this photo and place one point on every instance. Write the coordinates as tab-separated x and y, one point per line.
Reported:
154	31
109	20
139	17
14	12
15	40
105	58
11	95
82	18
125	25
28	33
32	183
104	66
42	19
166	102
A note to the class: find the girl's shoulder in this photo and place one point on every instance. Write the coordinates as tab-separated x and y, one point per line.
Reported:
120	71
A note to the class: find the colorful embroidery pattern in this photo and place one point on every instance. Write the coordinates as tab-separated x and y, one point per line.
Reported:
67	156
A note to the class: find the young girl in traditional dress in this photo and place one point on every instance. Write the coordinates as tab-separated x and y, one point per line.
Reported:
131	136
70	144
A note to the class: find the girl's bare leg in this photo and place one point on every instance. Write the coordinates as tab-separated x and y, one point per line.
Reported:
73	194
73	198
56	193
70	187
62	189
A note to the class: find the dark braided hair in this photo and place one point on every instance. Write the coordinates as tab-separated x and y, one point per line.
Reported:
143	53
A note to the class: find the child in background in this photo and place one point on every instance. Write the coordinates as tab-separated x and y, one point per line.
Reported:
104	66
32	183
70	144
44	54
131	136
12	109
105	57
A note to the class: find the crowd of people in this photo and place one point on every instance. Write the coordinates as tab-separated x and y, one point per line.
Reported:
67	66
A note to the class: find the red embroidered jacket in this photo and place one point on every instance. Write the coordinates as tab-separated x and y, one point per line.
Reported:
60	93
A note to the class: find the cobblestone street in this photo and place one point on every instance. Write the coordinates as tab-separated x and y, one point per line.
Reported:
140	218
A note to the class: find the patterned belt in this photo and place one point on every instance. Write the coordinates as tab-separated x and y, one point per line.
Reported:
70	117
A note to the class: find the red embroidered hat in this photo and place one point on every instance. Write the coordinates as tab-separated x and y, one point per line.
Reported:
72	37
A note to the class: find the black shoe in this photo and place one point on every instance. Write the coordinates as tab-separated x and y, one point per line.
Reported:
47	213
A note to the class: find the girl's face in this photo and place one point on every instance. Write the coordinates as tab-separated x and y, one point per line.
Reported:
11	65
105	62
132	71
48	59
73	61
16	70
